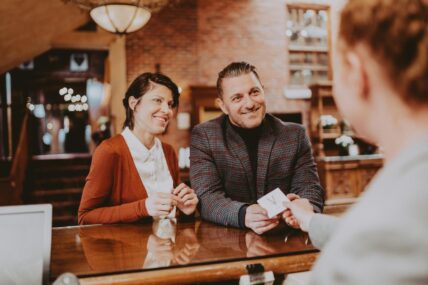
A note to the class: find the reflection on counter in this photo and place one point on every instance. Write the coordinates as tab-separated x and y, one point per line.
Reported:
117	248
108	249
165	248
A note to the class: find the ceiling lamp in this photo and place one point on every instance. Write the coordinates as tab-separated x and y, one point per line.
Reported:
121	16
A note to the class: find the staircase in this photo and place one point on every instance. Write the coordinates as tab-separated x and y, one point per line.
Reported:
58	180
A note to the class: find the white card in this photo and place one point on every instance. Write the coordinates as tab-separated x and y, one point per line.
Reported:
273	201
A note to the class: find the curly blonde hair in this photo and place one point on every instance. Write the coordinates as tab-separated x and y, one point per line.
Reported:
396	33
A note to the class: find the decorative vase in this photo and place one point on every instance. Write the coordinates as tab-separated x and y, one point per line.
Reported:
343	150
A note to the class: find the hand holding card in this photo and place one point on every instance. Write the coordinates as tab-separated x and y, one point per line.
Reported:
273	202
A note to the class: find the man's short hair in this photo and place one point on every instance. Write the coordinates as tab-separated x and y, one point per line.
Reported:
232	70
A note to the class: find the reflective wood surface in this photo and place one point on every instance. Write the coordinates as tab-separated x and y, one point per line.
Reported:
126	253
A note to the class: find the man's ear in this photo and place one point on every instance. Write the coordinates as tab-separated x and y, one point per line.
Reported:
220	103
359	75
132	102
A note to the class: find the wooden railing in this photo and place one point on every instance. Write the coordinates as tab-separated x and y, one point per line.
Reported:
11	187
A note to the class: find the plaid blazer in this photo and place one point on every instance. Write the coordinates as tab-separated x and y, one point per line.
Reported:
220	168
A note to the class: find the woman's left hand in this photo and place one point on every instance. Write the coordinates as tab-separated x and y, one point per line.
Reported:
188	198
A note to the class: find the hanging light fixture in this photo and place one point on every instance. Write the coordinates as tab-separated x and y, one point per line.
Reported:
121	16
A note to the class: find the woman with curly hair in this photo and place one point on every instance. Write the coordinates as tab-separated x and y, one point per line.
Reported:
381	87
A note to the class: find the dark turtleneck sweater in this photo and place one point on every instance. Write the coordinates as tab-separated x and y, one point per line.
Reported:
251	139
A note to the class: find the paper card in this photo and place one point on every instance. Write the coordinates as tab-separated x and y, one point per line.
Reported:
273	202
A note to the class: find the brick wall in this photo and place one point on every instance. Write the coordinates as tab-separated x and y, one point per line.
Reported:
252	31
194	40
169	39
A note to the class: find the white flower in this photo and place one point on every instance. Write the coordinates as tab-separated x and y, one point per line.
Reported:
344	141
327	121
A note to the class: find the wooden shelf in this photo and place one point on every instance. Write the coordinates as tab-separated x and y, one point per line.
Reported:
302	48
306	6
311	52
330	135
308	66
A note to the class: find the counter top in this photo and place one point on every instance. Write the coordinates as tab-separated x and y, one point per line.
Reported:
107	254
350	157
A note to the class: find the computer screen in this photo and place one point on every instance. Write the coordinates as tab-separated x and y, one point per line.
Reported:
25	244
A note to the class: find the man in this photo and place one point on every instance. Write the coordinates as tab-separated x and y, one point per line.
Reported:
245	153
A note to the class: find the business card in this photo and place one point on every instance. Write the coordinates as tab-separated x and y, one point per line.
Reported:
273	201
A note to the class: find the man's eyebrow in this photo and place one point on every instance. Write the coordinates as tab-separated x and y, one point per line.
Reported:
236	94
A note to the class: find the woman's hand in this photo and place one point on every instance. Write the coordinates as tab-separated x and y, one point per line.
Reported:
289	219
161	204
299	213
187	199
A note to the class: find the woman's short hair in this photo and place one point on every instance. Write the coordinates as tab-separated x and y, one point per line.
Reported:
396	32
140	86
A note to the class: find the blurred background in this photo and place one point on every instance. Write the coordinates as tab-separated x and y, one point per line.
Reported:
66	64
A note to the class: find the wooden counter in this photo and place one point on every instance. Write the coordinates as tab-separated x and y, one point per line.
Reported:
344	178
196	252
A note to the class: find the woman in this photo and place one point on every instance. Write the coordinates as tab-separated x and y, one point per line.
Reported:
381	87
133	174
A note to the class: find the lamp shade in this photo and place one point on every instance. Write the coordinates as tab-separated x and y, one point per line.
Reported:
120	18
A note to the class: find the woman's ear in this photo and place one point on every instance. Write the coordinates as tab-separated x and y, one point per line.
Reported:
358	73
132	102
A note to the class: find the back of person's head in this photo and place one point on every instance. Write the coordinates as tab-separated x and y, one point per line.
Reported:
396	33
140	86
234	69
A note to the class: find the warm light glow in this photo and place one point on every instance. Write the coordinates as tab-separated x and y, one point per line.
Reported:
120	18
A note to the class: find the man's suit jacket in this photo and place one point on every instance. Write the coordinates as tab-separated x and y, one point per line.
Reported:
382	239
220	168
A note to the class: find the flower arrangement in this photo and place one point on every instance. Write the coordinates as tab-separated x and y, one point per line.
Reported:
327	121
344	142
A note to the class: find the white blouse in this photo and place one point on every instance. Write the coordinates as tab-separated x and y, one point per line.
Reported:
151	165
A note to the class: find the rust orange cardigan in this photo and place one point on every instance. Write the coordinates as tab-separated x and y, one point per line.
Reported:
113	192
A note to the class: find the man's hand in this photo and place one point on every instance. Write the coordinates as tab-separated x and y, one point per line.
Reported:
256	218
186	197
299	213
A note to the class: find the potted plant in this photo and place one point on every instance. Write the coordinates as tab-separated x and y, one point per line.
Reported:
328	122
343	142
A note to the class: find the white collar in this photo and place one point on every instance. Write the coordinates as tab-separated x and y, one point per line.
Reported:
137	147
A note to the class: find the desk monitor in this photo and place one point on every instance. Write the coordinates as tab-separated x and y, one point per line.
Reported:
25	244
